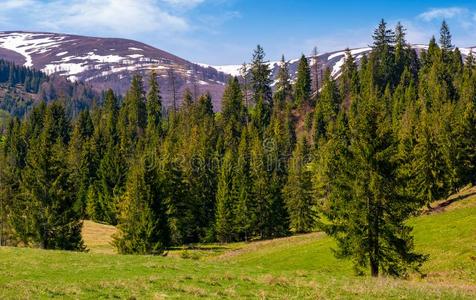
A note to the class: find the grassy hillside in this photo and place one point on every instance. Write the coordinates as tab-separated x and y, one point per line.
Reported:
290	268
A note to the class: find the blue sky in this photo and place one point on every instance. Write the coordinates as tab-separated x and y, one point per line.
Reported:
226	31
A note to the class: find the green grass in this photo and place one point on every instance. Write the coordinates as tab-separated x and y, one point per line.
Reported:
300	267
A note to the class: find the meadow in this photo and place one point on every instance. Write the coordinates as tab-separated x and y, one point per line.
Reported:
298	267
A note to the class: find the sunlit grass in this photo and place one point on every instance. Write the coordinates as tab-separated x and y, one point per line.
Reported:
297	267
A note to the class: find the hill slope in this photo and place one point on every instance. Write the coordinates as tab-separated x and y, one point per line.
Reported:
108	62
332	60
290	268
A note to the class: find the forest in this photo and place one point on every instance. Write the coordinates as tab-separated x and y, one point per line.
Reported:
22	87
354	156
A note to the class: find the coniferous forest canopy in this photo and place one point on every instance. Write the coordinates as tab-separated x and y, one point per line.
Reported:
355	156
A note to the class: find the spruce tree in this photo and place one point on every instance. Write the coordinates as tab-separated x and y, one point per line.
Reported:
261	186
326	108
302	87
133	116
143	224
283	91
225	200
154	106
109	185
81	159
244	217
349	79
233	112
47	193
298	190
110	114
261	88
260	76
382	57
368	208
445	37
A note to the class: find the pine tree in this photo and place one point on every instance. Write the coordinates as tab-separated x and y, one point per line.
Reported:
244	217
225	200
283	91
111	111
402	51
133	116
349	79
302	87
445	37
331	158
111	177
260	189
275	147
174	191
47	190
143	224
383	38
233	112
260	77
154	106
430	169
298	190
261	88
326	108
81	159
369	210
382	57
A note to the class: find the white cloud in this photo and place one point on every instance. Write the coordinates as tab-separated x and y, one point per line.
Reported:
443	13
106	16
126	16
12	4
184	3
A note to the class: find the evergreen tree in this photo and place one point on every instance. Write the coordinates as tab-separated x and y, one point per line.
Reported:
349	80
233	112
260	77
81	159
244	217
383	37
430	169
154	106
225	200
326	108
133	116
47	195
261	88
283	91
261	187
445	37
369	210
111	177
302	87
143	224
298	190
382	57
111	111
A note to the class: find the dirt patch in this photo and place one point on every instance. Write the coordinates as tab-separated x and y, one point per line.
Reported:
442	205
98	237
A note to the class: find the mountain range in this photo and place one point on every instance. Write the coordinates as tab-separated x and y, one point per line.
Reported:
111	63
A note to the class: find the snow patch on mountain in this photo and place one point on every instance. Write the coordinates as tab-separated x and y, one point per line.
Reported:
354	52
27	43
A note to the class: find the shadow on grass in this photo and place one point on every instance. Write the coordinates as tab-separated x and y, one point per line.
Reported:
200	247
441	206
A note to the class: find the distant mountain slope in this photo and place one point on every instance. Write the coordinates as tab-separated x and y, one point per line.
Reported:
108	62
332	60
111	63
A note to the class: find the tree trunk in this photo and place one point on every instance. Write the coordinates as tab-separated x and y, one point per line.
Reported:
374	267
